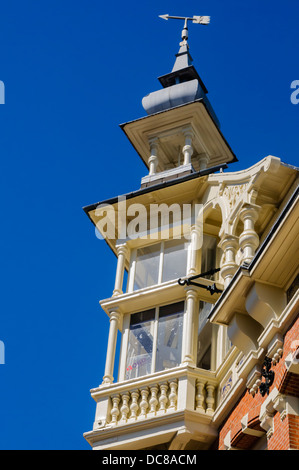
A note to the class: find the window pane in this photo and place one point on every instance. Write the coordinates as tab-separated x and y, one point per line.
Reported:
169	341
171	309
175	260
204	310
140	347
205	360
208	258
147	266
204	336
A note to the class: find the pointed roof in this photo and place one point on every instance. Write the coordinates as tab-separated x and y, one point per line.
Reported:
182	85
182	71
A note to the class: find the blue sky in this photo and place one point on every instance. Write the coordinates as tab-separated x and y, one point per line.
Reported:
73	71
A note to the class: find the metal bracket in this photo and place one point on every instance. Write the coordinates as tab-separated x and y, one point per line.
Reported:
269	377
189	282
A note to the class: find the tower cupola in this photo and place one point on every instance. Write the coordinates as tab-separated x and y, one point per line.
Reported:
180	135
183	84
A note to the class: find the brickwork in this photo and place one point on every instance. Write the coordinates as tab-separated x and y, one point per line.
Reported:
294	432
286	427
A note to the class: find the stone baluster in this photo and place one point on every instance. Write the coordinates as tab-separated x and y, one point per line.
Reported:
115	409
134	404
249	239
144	402
125	407
153	402
163	397
210	399
200	395
173	395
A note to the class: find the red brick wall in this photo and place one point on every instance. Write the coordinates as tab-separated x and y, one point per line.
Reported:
286	431
294	431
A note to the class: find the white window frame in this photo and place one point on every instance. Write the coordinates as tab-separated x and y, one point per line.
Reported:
125	340
132	269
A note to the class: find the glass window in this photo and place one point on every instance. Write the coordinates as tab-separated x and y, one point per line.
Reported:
147	266
158	263
153	349
169	340
208	257
140	346
174	260
204	336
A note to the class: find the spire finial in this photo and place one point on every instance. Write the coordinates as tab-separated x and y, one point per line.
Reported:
195	19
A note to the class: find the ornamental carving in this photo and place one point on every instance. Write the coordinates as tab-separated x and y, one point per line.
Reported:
234	193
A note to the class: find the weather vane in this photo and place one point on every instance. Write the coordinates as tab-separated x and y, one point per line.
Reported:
195	19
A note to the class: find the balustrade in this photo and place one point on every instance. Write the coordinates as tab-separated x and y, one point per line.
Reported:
157	399
144	402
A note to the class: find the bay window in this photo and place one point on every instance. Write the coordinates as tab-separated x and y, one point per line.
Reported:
167	261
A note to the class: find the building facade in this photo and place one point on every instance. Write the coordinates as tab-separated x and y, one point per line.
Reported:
208	315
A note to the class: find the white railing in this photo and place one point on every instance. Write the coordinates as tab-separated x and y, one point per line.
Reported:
183	388
144	402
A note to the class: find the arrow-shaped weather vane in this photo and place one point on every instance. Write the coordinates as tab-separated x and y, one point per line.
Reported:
195	19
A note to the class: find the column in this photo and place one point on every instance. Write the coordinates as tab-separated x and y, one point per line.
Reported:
189	322
229	245
110	356
188	149
195	245
203	160
153	159
122	251
249	239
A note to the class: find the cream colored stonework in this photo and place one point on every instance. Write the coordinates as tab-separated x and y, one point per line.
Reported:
186	404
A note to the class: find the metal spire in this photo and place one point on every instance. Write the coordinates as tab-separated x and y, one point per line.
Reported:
195	19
